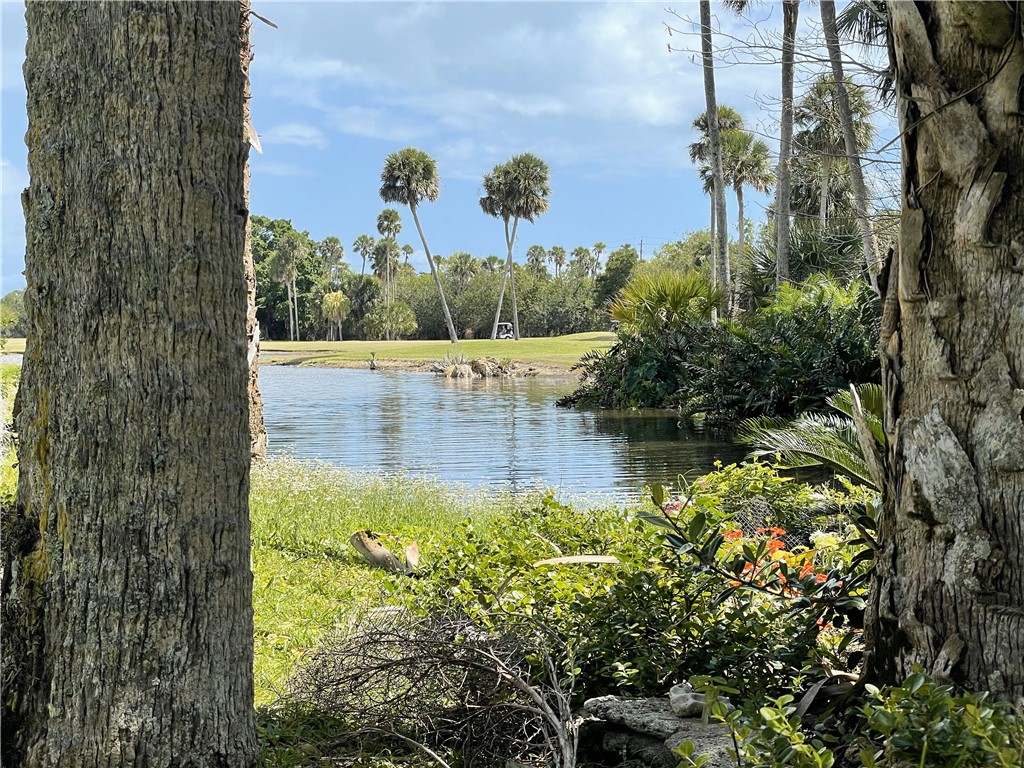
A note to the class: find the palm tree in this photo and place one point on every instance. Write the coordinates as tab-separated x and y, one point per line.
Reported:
493	263
410	177
582	261
652	303
715	145
860	197
332	252
517	189
747	164
284	268
461	267
364	247
385	254
790	17
700	152
336	307
557	256
822	135
407	251
598	248
536	260
832	440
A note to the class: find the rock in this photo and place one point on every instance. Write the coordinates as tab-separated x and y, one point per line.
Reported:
639	750
685	702
652	717
711	739
458	371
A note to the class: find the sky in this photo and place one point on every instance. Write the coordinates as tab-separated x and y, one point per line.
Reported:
592	88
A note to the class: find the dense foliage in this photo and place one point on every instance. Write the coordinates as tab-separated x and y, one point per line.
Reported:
808	342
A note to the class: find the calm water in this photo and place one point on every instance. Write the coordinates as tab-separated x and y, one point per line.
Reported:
483	433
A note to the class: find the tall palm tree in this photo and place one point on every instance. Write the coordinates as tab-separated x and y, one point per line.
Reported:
860	197
410	177
407	251
364	247
536	260
557	256
582	261
822	135
714	139
790	18
493	263
332	252
700	152
517	189
747	164
385	254
461	267
284	268
598	249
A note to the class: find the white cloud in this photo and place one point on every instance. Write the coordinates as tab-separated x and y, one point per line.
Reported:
299	134
374	123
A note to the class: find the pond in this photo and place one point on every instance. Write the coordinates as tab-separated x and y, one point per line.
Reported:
483	433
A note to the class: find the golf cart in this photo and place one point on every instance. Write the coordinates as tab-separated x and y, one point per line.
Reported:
504	331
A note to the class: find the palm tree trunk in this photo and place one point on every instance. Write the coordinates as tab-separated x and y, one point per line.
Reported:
504	281
714	261
127	585
721	247
790	16
295	299
743	237
512	281
860	197
340	336
825	173
437	278
291	324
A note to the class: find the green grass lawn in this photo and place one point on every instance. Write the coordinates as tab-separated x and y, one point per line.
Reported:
557	350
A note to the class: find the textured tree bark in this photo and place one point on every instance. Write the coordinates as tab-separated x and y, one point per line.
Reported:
257	429
437	280
721	242
860	196
127	604
784	175
948	590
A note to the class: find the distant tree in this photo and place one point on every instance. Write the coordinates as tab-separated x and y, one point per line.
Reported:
536	260
693	253
336	307
493	264
517	189
583	261
617	271
558	258
384	263
821	136
332	252
407	251
364	247
598	249
284	269
12	314
410	177
747	163
391	321
460	268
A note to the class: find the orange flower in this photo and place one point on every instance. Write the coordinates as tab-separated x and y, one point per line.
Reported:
774	545
821	578
807	570
732	535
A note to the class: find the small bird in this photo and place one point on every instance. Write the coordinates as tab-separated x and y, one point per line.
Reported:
373	361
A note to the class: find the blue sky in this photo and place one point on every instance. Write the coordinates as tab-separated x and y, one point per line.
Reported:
590	87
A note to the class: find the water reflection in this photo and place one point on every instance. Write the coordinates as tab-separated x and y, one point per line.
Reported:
491	433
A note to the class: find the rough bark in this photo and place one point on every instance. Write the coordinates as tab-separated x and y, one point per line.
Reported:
512	280
127	593
437	278
257	429
860	196
948	590
721	242
784	175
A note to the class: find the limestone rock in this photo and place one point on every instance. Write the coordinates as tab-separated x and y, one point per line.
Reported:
713	739
652	717
685	702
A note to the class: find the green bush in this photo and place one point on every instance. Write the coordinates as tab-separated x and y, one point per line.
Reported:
810	341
